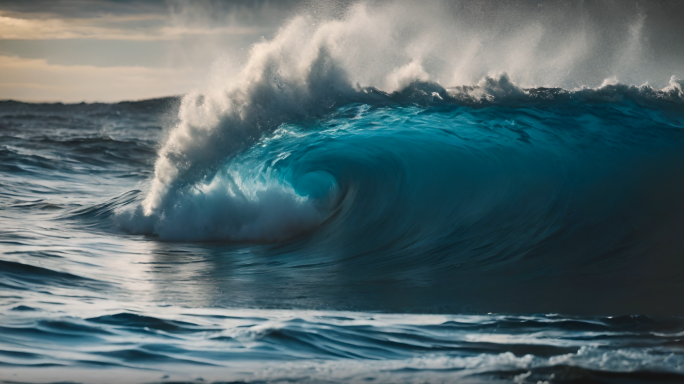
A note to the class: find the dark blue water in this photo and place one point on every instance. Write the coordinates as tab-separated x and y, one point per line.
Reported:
428	235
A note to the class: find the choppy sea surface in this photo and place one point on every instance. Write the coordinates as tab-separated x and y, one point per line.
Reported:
428	235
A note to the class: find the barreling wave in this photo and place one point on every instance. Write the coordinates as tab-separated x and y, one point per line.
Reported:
309	71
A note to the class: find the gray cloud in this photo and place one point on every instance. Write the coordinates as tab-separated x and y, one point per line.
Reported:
98	8
82	8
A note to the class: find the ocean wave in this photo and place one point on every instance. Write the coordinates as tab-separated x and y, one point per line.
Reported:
249	194
306	74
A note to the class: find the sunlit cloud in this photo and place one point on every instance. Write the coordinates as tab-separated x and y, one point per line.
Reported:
37	80
128	27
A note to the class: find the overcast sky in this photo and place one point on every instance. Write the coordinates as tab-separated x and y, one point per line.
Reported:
107	50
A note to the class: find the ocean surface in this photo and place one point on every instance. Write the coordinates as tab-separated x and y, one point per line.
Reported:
475	234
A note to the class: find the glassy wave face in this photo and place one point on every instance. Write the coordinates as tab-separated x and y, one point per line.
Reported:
320	219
